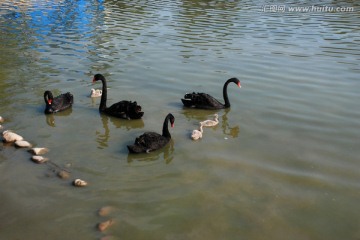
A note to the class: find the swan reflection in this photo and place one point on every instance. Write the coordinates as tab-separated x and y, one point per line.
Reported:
103	138
166	153
50	118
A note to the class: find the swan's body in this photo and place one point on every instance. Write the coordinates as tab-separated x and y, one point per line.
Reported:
95	93
59	103
197	134
150	141
211	123
123	109
205	101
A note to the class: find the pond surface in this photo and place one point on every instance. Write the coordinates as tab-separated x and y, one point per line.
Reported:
283	163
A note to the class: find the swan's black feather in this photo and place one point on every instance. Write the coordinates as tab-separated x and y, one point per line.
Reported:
150	141
59	103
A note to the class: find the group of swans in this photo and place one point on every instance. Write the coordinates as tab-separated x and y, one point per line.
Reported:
197	134
149	141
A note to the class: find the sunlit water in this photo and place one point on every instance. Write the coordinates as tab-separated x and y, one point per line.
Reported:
283	163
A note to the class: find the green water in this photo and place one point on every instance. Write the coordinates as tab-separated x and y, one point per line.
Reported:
283	163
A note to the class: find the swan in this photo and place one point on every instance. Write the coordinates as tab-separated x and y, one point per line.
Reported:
123	109
211	123
205	101
59	103
197	134
95	93
150	141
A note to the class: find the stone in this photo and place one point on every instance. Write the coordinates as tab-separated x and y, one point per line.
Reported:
10	136
105	225
63	174
39	159
105	211
39	151
79	183
23	144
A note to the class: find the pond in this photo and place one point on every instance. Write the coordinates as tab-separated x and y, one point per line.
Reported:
282	163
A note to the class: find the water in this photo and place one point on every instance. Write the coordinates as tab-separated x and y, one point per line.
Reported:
282	163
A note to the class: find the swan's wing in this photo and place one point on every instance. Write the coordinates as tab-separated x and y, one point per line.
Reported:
201	100
125	109
62	102
151	141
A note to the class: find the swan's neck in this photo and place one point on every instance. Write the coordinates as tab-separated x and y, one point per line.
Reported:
102	106
201	128
226	98
165	131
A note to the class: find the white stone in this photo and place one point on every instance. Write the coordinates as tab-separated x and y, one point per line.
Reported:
22	144
39	151
39	159
80	183
10	136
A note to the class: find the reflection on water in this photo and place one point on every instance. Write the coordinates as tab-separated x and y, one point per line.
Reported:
292	170
102	138
51	118
166	153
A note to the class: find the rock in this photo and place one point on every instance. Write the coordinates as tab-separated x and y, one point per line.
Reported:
79	183
10	136
2	119
39	151
63	174
39	159
1	127
23	144
105	225
105	211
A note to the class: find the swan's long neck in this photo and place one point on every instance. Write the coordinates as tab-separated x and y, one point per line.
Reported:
226	98
165	131
102	106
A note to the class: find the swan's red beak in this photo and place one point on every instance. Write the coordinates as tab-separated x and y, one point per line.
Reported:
93	80
239	85
172	125
50	101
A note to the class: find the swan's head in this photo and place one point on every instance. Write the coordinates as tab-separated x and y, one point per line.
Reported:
48	97
236	81
98	77
171	119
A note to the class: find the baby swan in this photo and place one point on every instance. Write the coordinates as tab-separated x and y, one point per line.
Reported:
95	93
197	134
211	123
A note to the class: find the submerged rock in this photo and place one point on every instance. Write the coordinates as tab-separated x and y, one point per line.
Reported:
39	159
10	136
79	183
63	174
105	211
39	151
105	225
23	144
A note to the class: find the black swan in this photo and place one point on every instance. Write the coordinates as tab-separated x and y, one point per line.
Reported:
205	101
59	103
123	109
151	141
